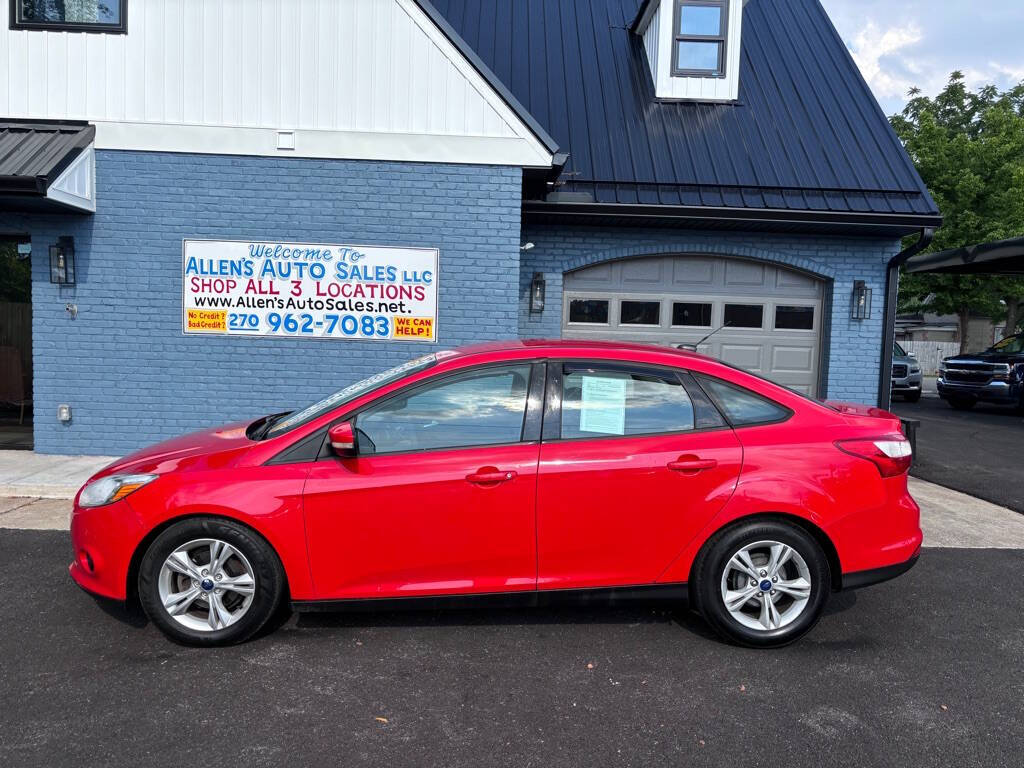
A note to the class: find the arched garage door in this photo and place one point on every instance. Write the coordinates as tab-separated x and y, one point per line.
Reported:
773	314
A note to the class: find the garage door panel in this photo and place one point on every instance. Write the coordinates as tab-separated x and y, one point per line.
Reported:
789	355
693	272
599	276
746	356
744	274
796	283
792	359
642	272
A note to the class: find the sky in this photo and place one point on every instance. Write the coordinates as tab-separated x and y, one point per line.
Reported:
903	43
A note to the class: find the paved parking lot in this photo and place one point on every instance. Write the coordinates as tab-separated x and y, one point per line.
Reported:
917	671
978	452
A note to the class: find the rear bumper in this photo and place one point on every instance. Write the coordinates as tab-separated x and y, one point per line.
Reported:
859	579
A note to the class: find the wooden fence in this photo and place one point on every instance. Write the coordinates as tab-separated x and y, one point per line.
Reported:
930	353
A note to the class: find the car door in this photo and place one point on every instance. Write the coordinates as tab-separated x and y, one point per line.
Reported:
440	497
635	461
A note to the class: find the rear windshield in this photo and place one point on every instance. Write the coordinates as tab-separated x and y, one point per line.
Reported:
295	419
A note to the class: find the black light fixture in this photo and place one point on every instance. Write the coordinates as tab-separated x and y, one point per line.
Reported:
62	261
861	308
537	289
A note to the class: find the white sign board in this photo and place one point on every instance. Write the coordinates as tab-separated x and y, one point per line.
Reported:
603	408
309	290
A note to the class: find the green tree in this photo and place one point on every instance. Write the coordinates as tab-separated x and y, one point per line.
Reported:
968	147
15	274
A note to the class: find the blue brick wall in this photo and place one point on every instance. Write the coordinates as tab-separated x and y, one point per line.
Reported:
124	365
855	345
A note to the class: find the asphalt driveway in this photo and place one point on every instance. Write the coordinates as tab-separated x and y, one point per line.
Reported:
979	452
918	671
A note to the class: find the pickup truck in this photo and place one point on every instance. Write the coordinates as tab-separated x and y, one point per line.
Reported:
993	376
906	375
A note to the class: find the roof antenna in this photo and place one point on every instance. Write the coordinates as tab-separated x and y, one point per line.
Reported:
693	347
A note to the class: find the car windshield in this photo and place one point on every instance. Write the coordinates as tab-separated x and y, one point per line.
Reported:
1011	345
898	351
298	418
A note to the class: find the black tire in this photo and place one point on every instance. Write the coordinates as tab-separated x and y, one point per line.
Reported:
962	403
912	397
267	571
710	567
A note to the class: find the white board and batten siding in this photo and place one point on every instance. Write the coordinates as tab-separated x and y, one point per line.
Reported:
658	36
365	79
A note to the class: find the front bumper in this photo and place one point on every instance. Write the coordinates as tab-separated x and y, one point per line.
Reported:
103	541
995	391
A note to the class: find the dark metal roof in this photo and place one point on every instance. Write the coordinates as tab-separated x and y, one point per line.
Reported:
805	135
34	154
1001	257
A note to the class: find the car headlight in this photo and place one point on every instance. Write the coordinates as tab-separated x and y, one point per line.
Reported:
112	488
916	369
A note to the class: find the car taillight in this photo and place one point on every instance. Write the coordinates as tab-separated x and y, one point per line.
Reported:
891	454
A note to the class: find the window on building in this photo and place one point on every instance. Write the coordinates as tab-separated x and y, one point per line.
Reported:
744	315
70	15
687	313
794	318
588	311
698	47
640	313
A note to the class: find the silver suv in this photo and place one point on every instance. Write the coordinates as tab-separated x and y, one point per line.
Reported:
906	374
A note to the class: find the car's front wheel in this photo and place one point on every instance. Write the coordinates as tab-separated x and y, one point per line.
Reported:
762	583
209	581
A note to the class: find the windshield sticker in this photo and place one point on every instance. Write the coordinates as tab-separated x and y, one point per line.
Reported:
603	406
351	392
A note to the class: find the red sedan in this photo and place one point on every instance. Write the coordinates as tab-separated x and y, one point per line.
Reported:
533	472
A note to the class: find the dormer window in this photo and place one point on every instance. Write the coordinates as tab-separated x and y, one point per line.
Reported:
700	32
693	47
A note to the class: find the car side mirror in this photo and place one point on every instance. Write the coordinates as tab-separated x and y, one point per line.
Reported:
343	439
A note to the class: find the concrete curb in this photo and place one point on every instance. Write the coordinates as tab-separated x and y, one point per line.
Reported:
40	491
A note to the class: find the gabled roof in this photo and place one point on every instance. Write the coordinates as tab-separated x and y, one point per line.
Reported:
805	135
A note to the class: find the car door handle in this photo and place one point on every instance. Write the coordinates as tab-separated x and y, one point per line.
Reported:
692	465
491	475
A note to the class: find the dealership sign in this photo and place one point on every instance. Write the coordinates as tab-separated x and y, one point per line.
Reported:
306	290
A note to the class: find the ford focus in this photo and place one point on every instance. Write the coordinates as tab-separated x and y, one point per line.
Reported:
530	472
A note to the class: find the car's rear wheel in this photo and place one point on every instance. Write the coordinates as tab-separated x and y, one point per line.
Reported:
962	403
762	583
208	581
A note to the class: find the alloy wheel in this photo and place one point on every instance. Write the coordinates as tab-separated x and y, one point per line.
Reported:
766	585
206	585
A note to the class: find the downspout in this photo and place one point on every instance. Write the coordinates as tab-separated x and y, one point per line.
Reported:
892	282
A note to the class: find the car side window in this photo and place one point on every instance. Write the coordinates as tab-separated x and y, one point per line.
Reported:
741	406
482	407
600	402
